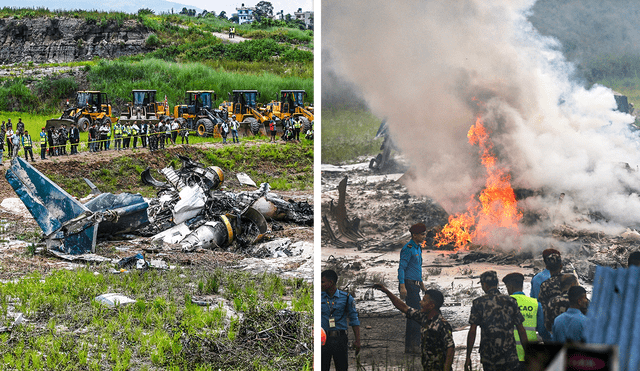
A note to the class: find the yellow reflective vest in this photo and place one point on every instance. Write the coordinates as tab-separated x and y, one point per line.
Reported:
117	130
529	309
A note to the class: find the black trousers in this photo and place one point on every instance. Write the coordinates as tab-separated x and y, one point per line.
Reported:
336	347
412	340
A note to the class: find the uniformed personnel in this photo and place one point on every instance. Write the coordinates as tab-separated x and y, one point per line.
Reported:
551	287
531	310
410	282
337	306
559	304
543	275
496	314
437	346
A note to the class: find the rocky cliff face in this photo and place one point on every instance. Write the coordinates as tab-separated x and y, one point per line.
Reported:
51	40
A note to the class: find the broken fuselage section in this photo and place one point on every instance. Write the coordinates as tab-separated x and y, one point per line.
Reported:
189	211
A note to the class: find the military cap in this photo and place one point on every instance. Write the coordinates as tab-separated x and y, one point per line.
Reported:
514	277
489	277
418	228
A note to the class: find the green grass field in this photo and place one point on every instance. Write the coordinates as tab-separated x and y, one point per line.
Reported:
347	135
163	329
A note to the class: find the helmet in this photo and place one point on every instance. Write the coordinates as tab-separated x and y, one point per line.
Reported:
233	116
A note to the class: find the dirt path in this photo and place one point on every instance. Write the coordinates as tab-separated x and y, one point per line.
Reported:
225	37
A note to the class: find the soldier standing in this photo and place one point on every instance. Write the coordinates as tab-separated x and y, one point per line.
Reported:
559	304
50	140
496	314
551	287
152	137
20	126
542	276
437	346
63	140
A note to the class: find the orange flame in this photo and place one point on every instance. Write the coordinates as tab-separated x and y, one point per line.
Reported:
494	215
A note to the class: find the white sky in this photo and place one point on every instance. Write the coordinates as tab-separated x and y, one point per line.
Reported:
230	6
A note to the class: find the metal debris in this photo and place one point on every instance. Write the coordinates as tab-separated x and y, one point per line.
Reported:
114	299
348	228
190	211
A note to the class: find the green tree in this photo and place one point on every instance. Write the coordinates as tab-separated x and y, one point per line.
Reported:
264	9
222	15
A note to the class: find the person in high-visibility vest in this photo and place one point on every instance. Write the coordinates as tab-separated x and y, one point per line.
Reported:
43	143
296	129
135	130
531	310
117	134
126	134
28	145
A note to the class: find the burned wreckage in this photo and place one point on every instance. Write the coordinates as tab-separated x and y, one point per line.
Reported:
190	210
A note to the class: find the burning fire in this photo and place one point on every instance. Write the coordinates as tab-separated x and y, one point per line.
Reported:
494	214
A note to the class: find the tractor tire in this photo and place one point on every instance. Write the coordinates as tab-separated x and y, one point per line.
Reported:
305	124
204	128
83	124
251	124
107	120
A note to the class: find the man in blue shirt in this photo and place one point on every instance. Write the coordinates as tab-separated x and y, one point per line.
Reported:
537	280
410	283
571	325
337	306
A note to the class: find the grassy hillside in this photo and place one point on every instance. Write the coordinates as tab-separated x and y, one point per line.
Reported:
185	56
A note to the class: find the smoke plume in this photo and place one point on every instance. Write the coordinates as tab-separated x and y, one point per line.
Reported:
430	67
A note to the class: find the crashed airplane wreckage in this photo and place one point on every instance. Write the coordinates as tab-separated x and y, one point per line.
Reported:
189	210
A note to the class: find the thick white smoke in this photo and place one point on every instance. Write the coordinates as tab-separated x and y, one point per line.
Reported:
420	63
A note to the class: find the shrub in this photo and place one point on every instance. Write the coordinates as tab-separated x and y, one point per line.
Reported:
152	41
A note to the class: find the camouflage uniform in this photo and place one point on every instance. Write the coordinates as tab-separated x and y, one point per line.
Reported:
549	289
497	314
557	305
436	334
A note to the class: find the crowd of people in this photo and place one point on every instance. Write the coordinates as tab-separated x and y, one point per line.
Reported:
102	135
554	311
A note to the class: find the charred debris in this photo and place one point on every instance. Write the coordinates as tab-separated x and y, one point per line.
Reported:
189	212
372	213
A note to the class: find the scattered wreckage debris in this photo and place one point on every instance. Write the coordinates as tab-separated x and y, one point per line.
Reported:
348	228
113	299
189	211
68	225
